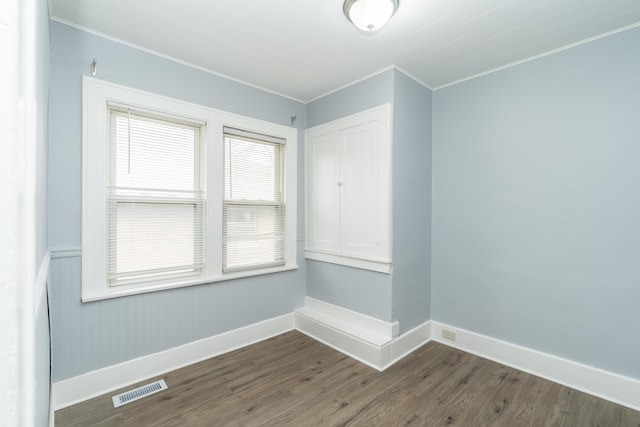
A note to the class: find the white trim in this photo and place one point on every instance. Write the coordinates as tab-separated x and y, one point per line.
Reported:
365	264
541	55
354	347
405	344
379	356
367	77
352	83
91	384
597	382
225	76
40	286
66	252
372	341
412	77
352	318
123	291
168	57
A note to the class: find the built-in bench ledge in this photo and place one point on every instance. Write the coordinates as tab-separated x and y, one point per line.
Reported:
360	326
369	340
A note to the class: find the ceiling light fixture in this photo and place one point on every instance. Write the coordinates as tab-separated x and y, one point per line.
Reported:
369	15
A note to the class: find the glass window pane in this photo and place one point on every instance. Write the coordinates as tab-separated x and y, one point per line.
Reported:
155	163
153	154
253	218
155	236
251	170
254	236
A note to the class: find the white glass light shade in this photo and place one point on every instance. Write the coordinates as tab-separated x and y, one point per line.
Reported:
369	15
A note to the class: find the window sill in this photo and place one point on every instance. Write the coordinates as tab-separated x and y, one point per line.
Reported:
121	291
378	265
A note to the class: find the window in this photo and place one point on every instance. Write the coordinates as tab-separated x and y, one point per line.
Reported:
253	208
176	194
155	218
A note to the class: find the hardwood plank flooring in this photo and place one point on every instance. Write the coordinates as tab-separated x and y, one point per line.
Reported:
293	380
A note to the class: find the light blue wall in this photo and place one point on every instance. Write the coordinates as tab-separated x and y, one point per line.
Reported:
411	202
364	291
403	295
93	335
72	52
360	290
534	236
369	93
536	204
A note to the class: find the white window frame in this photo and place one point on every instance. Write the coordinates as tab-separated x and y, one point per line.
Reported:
156	194
233	202
95	178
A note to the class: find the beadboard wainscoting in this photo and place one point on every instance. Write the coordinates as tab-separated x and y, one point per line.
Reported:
101	346
363	338
91	384
369	340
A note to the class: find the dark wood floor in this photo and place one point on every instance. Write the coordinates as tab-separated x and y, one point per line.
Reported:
292	380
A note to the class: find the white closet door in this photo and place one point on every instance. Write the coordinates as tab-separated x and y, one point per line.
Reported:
359	190
323	221
347	191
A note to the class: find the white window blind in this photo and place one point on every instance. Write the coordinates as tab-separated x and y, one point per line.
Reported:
155	200
253	223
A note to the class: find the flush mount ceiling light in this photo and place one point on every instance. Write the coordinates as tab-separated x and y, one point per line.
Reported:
369	15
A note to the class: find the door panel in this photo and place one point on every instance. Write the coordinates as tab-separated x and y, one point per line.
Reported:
323	226
359	198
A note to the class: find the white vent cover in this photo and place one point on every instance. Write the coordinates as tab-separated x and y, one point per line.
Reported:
138	393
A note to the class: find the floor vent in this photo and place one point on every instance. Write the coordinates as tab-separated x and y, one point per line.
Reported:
138	393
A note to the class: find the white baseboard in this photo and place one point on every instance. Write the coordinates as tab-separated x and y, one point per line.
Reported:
354	347
91	384
379	355
366	327
597	382
369	340
405	344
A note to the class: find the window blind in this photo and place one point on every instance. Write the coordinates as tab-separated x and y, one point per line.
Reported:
253	207
155	203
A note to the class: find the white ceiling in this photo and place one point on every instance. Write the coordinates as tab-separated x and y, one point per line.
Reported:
306	48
